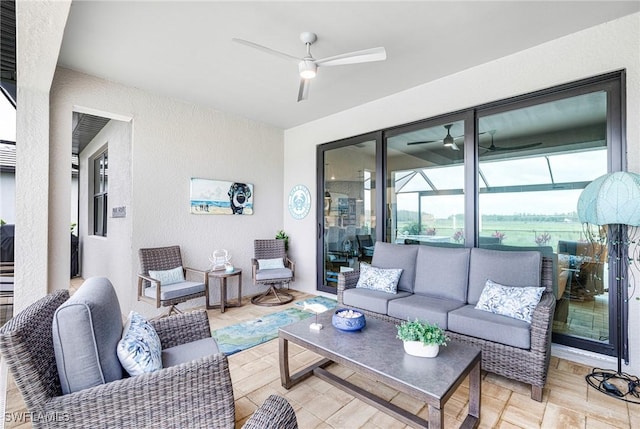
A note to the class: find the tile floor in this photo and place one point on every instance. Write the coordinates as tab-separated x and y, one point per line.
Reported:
567	401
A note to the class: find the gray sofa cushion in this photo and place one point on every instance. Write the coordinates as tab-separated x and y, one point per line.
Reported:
504	267
86	330
442	272
189	351
371	300
488	326
424	308
388	255
175	290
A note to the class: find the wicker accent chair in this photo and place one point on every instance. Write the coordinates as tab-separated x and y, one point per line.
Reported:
271	249
152	291
192	394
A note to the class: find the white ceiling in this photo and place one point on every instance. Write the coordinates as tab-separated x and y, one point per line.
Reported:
183	49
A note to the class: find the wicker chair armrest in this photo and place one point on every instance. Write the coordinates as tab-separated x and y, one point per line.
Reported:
542	322
346	280
292	266
194	394
149	279
182	328
274	413
203	273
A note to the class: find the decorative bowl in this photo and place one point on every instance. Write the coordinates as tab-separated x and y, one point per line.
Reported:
347	319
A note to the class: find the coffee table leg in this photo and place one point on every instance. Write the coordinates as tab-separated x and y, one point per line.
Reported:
239	289
285	378
475	385
436	418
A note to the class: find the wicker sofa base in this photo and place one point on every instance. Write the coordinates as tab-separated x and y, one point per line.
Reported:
528	366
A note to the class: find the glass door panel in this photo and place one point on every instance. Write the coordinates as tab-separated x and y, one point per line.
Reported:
349	220
425	176
534	163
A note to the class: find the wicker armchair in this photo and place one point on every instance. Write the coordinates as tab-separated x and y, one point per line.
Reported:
152	291
529	366
272	249
193	394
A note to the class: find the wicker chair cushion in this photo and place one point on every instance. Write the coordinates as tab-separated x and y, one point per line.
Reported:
270	264
423	307
507	268
371	300
275	274
168	277
492	327
86	330
187	352
139	350
442	272
388	255
175	290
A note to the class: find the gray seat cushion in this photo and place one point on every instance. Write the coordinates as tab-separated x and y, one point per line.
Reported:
388	255
190	351
86	330
274	274
442	272
175	290
423	307
488	326
504	267
371	300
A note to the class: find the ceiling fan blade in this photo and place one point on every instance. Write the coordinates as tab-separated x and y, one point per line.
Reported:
366	55
454	146
267	50
423	142
303	91
524	146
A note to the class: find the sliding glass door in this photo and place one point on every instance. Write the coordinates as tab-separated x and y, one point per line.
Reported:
506	175
348	224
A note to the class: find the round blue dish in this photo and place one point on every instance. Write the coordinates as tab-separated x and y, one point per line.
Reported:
348	323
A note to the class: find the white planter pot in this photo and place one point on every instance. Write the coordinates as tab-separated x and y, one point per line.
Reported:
416	348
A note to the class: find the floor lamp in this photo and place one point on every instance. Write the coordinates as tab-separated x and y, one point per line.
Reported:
614	200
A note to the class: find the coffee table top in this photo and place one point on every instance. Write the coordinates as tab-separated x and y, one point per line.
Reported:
377	350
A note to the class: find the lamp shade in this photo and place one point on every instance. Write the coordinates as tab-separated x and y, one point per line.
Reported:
611	199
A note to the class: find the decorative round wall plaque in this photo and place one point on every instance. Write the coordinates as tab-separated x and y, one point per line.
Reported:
299	201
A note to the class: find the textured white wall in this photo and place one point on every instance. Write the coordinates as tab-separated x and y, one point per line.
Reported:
39	30
611	46
171	141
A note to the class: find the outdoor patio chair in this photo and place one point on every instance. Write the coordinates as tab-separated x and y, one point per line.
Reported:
193	389
163	280
270	267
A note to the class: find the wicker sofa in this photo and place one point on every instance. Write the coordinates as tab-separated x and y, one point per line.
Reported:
196	393
443	285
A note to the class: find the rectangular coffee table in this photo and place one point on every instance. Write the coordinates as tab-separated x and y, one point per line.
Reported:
377	353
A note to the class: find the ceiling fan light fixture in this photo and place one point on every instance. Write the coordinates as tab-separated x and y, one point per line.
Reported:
307	69
448	141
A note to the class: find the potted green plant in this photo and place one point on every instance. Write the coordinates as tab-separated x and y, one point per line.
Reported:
421	338
281	235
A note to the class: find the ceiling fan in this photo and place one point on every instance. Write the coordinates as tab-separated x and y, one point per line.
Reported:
494	148
308	66
448	141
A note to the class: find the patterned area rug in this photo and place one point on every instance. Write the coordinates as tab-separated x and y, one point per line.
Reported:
327	302
235	338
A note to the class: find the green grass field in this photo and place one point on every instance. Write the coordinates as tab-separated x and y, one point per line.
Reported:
515	233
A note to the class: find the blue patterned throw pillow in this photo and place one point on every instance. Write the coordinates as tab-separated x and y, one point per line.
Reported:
512	301
139	350
380	279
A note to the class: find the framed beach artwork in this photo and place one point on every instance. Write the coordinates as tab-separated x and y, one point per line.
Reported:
221	197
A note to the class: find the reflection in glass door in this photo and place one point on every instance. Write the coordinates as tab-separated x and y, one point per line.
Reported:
349	221
425	177
533	164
